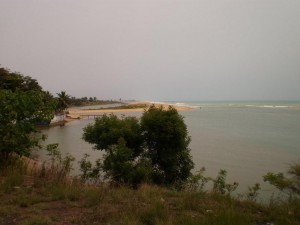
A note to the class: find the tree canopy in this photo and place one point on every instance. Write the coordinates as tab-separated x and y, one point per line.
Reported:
63	101
109	129
154	148
15	81
23	104
166	139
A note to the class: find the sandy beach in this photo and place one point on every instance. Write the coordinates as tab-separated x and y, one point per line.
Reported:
81	113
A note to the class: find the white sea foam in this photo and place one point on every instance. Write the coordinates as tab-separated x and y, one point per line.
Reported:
275	106
268	106
281	106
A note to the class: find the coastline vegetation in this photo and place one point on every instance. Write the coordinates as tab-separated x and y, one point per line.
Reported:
65	101
89	101
134	106
23	104
144	178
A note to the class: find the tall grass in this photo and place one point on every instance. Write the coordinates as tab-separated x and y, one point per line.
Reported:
148	205
38	220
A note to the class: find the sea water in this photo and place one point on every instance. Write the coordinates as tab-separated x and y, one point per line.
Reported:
247	139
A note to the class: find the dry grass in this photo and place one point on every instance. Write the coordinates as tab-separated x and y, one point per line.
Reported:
28	197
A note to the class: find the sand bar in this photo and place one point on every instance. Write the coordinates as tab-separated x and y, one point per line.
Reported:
143	104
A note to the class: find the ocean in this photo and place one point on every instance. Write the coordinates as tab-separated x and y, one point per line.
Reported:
247	139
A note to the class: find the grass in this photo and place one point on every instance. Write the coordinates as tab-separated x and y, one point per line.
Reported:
38	220
56	201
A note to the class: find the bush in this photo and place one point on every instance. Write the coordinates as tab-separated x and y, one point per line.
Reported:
90	173
154	148
288	184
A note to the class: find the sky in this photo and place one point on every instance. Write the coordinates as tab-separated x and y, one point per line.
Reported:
158	50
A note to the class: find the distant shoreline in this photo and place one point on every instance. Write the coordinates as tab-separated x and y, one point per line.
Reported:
75	114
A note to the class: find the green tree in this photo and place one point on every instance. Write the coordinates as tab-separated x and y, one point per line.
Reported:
63	101
15	81
120	164
22	105
154	148
166	138
121	139
108	130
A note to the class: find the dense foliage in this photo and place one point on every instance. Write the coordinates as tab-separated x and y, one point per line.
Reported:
167	140
108	130
23	104
154	148
15	81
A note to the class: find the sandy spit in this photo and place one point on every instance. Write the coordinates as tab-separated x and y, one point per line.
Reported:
79	113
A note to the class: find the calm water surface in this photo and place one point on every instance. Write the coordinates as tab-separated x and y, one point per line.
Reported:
246	140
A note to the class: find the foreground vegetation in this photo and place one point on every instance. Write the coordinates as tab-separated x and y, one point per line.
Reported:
31	194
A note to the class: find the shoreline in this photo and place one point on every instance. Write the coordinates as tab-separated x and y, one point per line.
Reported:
76	114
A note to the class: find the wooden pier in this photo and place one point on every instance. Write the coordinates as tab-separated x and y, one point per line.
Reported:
91	116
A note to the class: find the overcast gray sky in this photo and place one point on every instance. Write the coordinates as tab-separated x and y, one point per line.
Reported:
156	49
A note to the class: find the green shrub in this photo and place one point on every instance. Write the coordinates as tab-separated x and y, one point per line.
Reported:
152	149
91	174
288	184
220	185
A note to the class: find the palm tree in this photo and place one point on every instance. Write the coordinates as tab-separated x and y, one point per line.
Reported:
63	101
